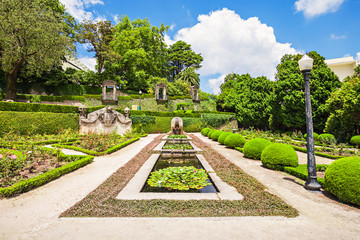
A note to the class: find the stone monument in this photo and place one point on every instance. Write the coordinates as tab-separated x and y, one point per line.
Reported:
105	120
177	126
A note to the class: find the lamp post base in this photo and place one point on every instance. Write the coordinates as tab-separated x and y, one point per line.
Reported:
312	184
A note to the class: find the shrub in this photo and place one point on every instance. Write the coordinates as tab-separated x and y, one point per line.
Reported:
216	134
342	178
327	138
234	140
223	136
355	140
279	155
211	132
254	147
316	136
37	122
35	107
205	131
216	120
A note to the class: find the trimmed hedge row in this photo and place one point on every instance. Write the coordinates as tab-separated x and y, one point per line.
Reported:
302	173
254	147
163	114
39	180
94	153
278	155
37	122
304	150
36	107
49	98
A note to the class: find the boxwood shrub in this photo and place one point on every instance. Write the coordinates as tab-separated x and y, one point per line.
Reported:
205	131
223	136
355	140
234	140
327	138
316	136
216	134
254	147
211	132
37	122
279	155
36	107
342	178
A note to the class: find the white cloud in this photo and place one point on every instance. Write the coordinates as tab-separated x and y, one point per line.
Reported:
215	83
168	40
358	56
335	37
313	8
172	26
229	44
116	18
89	62
77	8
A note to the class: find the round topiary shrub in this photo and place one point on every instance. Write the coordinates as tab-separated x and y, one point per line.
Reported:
234	140
316	136
205	131
216	134
210	132
254	147
327	138
223	136
355	140
342	178
279	155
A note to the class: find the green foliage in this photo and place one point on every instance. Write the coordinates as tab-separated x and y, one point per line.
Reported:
216	120
355	140
33	107
205	131
39	98
279	154
193	124
39	180
216	134
177	136
248	97
327	138
179	178
36	122
344	105
210	132
254	148
93	96
301	172
177	146
342	178
142	119
189	76
288	97
163	114
316	136
234	140
223	136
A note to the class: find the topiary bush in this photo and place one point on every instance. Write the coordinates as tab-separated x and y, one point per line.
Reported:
355	140
342	178
234	140
254	147
223	136
327	138
279	155
216	134
205	131
211	132
316	136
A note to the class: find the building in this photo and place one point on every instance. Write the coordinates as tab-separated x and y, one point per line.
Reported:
342	67
74	63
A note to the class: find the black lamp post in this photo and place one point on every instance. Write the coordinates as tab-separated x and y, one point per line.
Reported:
140	92
305	65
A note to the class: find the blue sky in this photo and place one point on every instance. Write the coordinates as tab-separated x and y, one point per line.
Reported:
236	35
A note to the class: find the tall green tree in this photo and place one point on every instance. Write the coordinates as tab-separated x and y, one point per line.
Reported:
140	51
189	76
288	99
98	35
344	108
248	97
31	32
180	57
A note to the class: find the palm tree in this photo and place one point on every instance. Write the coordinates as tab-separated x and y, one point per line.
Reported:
189	76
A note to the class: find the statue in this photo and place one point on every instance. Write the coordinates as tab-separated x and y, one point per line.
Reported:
105	120
177	126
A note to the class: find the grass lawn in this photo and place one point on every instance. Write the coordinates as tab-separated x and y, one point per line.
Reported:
102	201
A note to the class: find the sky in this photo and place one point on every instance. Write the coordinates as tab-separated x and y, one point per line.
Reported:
237	36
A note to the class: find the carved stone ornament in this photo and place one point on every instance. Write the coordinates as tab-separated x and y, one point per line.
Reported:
177	126
105	120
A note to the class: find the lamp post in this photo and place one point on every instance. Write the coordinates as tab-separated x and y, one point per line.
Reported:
305	65
140	92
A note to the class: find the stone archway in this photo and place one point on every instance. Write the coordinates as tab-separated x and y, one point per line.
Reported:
194	92
108	98
160	92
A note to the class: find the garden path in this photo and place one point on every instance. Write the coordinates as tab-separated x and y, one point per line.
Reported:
34	215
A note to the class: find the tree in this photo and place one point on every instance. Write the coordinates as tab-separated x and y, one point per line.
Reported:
180	57
288	98
248	97
98	35
31	32
344	108
141	52
189	76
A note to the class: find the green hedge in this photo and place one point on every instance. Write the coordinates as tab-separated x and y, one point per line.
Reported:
36	122
205	131
93	96
279	155
163	114
94	153
355	140
302	172
223	136
304	150
39	180
36	107
49	98
254	147
327	138
216	120
216	134
342	178
234	140
316	136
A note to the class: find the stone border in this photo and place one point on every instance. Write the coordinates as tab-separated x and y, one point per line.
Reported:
159	148
132	191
